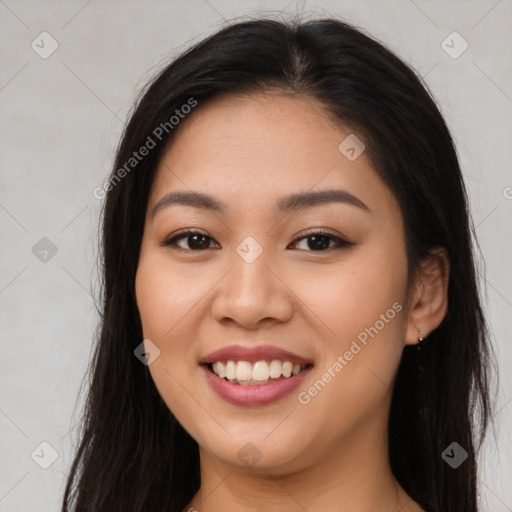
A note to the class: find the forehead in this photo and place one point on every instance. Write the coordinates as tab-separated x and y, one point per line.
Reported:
251	150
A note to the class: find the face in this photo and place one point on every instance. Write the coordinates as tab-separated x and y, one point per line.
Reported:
324	281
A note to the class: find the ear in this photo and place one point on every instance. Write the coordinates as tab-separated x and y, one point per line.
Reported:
429	302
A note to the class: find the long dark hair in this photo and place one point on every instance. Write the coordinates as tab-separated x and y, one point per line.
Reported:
133	454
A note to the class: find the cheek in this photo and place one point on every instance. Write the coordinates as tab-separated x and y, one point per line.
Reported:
172	300
166	293
362	313
352	296
164	297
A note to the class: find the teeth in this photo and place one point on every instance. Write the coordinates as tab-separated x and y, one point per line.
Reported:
230	370
260	370
219	369
275	369
244	372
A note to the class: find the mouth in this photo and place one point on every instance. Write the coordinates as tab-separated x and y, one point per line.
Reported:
254	375
258	373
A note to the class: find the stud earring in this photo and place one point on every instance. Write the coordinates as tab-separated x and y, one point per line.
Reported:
421	340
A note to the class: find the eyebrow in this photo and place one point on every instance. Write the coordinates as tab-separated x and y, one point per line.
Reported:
293	202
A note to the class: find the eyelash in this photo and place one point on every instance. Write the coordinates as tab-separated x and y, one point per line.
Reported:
340	243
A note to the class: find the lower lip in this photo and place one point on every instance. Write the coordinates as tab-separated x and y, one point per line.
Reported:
238	394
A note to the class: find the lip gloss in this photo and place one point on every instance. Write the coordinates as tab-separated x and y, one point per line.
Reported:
238	394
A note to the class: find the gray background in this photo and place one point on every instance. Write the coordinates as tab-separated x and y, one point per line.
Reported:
61	118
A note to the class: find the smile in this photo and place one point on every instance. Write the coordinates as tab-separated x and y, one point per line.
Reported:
257	373
254	375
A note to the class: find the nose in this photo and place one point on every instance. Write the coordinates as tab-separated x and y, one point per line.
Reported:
252	293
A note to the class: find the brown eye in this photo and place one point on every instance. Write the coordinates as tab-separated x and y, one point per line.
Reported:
197	241
320	242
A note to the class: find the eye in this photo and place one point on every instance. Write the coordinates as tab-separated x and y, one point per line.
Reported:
197	240
320	241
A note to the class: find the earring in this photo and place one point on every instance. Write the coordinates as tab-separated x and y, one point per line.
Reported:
421	340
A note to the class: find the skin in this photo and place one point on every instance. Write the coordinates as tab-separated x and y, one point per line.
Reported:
331	453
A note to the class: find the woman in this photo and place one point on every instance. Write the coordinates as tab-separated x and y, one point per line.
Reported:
291	319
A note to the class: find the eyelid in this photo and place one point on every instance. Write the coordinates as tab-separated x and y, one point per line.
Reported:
340	240
183	234
319	231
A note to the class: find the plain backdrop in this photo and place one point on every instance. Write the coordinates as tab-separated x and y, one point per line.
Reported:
61	115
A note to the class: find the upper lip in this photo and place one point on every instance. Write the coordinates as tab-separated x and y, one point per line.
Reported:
253	354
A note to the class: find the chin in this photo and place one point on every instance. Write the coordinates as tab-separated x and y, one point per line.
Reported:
276	454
